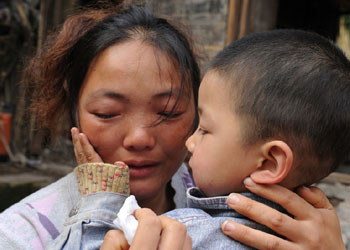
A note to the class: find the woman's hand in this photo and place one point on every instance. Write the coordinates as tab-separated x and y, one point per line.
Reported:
315	224
83	150
153	232
115	240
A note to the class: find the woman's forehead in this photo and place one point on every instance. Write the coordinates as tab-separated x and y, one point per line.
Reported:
124	67
137	55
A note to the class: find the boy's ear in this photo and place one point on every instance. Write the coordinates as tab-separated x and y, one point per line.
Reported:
276	163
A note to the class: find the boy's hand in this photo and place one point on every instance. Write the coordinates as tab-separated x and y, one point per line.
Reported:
83	150
153	233
315	224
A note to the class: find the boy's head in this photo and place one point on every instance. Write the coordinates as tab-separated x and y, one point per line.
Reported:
274	106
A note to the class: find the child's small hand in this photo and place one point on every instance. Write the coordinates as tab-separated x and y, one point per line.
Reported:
83	150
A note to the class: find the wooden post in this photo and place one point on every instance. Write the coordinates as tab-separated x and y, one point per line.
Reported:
52	14
244	18
233	20
248	16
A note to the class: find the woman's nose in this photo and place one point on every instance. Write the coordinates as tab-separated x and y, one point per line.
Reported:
139	139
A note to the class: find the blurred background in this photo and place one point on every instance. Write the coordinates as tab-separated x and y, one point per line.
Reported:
29	159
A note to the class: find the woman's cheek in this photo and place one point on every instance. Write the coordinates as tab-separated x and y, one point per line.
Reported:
177	139
99	137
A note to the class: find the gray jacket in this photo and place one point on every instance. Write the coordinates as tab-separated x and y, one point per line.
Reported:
50	217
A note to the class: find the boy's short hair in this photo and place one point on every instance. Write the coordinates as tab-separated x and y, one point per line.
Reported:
291	85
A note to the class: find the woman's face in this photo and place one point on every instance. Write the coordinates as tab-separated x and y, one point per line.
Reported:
125	92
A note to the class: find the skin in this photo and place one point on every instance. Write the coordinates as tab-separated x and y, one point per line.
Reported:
117	111
219	160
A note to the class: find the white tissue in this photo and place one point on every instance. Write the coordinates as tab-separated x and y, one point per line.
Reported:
125	219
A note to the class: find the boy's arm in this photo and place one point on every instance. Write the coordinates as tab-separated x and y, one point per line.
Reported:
104	188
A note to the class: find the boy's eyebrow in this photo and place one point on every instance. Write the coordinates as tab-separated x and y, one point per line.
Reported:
206	116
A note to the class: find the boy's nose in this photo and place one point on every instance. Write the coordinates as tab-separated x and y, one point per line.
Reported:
190	145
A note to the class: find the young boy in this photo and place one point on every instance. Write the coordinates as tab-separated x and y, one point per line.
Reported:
273	106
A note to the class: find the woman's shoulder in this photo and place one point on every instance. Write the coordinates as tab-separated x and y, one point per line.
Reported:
41	215
58	197
181	180
65	190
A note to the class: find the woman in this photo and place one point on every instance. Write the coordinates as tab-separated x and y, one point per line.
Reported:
129	81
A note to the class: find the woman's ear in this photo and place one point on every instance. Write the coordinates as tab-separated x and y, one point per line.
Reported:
276	164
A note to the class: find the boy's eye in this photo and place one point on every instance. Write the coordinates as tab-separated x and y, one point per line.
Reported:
202	131
170	115
105	116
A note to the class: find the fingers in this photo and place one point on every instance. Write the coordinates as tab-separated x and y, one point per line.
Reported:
255	238
263	214
159	232
83	150
114	240
289	200
148	231
188	243
89	151
174	235
311	228
315	197
78	150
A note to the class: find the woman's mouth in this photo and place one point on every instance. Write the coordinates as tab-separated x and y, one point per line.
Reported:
141	169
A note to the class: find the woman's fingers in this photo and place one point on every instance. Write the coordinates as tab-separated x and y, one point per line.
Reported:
174	235
311	228
315	197
255	238
114	240
325	219
159	232
188	243
263	214
148	231
289	200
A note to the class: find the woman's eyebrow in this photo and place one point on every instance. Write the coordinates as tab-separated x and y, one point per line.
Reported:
173	93
109	94
168	93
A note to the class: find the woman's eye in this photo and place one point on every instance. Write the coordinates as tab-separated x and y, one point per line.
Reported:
170	115
105	116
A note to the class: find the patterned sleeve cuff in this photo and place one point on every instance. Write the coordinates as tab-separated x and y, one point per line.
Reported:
103	177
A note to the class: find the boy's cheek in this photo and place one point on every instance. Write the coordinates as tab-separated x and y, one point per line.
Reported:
195	166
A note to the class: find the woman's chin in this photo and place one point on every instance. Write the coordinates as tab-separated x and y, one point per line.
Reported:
144	190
